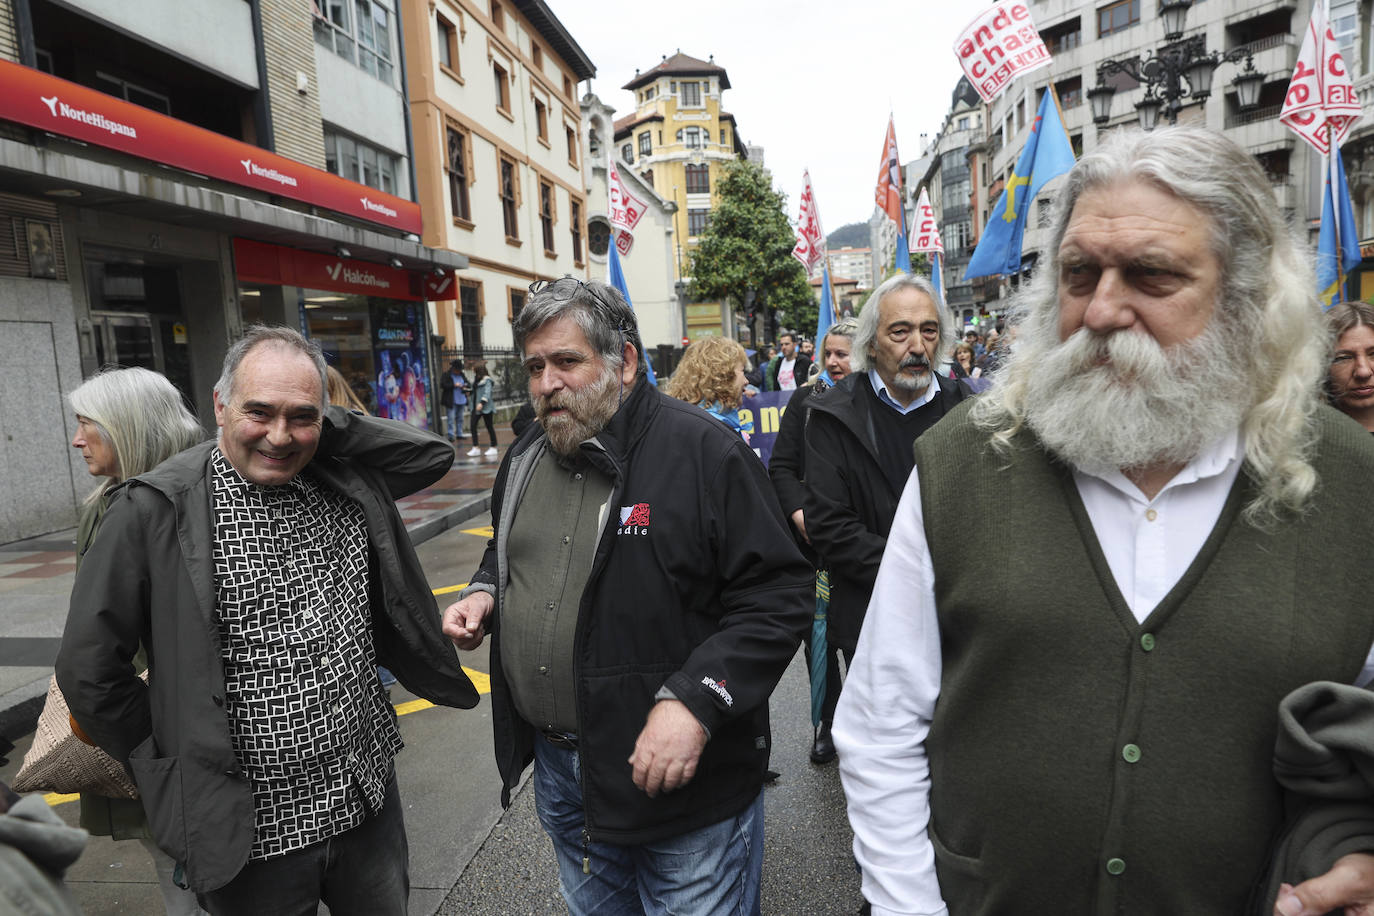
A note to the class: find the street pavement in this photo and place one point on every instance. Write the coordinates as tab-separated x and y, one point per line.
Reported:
466	855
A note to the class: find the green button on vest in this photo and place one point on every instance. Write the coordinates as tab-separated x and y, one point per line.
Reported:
1115	866
1130	753
1147	642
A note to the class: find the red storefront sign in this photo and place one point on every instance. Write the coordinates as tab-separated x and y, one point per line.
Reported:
47	103
259	262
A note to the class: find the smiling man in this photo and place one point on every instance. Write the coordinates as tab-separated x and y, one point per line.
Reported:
644	597
267	575
858	441
1079	715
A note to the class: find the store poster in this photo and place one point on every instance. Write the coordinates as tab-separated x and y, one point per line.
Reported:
398	350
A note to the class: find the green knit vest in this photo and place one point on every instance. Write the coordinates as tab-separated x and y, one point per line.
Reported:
1082	762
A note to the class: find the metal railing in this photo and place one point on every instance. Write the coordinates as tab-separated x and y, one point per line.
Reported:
1242	118
510	381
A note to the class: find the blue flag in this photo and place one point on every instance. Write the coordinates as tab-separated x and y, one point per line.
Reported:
1330	285
903	252
936	280
1047	155
826	312
616	277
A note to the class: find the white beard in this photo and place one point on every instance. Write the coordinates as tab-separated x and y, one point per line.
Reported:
1143	407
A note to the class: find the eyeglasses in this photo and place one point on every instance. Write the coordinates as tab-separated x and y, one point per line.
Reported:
565	288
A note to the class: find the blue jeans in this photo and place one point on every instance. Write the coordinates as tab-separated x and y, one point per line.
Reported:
361	872
455	422
715	870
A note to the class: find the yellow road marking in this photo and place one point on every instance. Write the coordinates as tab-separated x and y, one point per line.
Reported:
480	532
479	680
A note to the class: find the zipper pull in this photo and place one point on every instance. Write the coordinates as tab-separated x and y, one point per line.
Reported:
586	854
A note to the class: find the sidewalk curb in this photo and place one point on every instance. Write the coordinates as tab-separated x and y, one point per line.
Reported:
21	718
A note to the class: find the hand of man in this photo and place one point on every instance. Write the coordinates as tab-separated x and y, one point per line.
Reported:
799	521
1348	886
667	750
465	621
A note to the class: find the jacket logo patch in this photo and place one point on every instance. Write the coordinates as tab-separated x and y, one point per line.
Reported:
634	519
719	688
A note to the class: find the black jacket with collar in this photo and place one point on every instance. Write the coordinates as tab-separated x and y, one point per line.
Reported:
149	578
849	501
708	598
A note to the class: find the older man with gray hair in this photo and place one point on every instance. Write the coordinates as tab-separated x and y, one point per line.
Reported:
644	596
267	574
1087	724
859	436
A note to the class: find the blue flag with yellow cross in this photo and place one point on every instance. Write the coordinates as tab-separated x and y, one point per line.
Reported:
1048	154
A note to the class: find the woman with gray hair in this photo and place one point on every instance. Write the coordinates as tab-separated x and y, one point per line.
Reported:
128	421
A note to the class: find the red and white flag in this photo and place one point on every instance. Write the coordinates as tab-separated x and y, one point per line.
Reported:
888	194
999	45
1321	92
626	210
925	231
810	249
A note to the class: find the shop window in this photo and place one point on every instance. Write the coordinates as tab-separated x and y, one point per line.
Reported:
697	220
575	218
458	174
546	215
698	179
508	191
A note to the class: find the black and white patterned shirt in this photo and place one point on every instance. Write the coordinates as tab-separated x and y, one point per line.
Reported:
309	721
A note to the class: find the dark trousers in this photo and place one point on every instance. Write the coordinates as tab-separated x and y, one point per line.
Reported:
491	427
361	872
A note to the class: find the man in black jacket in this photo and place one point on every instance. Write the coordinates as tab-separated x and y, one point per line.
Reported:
644	596
859	438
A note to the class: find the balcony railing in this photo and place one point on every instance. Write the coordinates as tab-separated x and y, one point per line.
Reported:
1267	42
1241	118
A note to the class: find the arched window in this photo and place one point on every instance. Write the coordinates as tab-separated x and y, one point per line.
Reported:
598	236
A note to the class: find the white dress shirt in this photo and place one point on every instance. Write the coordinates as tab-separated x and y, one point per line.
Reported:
921	400
889	694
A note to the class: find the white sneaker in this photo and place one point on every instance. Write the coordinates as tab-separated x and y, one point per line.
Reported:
474	452
491	451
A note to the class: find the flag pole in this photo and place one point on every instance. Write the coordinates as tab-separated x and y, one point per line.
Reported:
1332	151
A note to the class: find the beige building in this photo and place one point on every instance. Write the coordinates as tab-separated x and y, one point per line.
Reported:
649	268
498	154
678	139
856	263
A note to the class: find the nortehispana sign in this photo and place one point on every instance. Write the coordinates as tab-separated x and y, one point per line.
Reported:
997	46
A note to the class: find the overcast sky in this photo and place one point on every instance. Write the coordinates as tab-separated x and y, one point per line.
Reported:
811	83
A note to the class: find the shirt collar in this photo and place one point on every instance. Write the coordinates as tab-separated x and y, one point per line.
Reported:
880	388
1218	458
241	487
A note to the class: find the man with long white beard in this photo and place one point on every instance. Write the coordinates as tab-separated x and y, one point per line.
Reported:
1079	716
644	596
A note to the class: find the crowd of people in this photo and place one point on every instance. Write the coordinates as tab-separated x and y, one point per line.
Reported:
1084	623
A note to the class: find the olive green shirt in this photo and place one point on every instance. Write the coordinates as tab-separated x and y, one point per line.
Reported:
552	542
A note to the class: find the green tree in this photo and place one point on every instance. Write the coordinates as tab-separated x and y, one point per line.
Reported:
748	245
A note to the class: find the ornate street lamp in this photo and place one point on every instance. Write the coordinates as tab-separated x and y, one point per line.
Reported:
1182	68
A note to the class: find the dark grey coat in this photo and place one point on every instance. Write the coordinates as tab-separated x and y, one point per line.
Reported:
149	578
